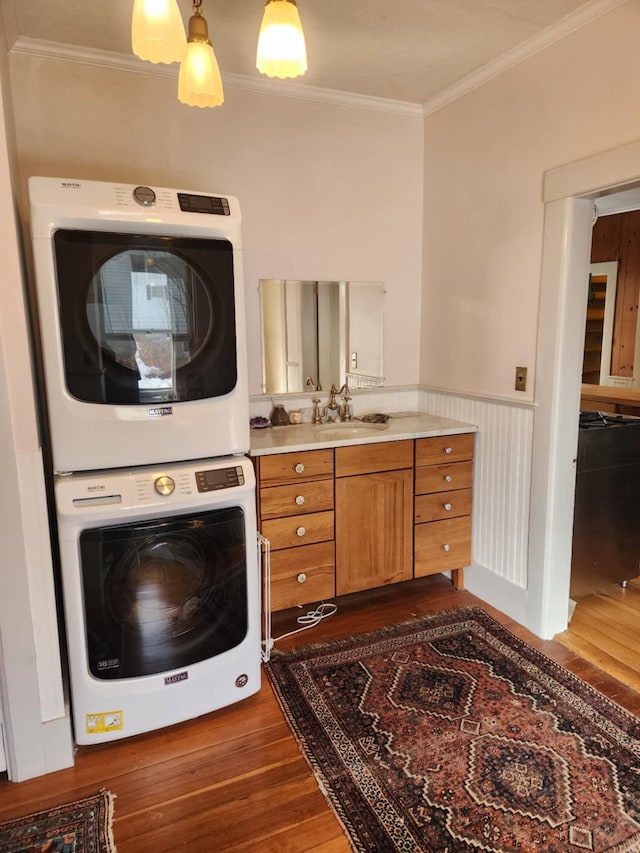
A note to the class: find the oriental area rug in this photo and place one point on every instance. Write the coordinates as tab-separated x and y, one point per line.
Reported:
448	734
83	826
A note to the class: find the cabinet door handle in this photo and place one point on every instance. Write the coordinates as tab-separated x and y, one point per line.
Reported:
448	450
301	577
447	478
300	531
300	500
299	468
447	507
446	547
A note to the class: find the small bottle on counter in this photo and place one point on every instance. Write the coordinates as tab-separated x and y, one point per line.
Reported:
279	416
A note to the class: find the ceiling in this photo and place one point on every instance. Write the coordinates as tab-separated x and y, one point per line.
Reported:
405	50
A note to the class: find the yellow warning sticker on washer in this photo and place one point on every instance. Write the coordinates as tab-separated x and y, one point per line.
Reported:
98	724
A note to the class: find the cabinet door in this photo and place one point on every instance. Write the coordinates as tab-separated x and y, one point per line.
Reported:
374	530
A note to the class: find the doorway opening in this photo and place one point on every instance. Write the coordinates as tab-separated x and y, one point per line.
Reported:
610	181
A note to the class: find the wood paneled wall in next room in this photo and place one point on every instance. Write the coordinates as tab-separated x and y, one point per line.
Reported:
617	238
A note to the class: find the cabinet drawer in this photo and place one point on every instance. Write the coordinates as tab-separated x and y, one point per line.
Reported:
296	499
292	467
441	505
370	458
444	448
301	575
440	478
298	529
442	545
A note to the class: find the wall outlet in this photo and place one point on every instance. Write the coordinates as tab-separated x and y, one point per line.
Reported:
521	378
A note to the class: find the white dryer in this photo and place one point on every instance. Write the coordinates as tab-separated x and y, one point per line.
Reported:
142	323
160	578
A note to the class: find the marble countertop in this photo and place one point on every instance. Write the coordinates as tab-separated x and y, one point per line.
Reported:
401	425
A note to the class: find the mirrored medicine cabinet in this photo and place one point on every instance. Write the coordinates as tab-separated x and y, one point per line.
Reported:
330	331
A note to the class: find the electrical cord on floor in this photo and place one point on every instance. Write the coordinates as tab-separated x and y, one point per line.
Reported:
310	619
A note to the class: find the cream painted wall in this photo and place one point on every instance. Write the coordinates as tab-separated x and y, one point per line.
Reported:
485	156
327	192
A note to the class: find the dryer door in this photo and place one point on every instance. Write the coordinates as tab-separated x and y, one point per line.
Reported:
145	319
162	595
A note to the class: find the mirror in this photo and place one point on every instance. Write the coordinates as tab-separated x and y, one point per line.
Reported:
330	331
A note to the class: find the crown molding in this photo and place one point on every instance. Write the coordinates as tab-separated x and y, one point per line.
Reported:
260	85
264	86
564	27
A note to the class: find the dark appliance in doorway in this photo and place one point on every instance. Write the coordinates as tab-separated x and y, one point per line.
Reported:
606	528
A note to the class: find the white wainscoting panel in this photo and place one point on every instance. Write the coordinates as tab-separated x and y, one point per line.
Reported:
502	478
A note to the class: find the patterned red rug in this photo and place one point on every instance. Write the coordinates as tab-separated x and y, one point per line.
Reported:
449	734
83	826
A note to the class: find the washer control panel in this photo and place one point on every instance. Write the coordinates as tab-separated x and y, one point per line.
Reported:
219	478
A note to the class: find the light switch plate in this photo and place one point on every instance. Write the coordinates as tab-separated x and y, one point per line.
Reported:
521	378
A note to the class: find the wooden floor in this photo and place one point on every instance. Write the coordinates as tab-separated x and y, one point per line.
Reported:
235	779
605	630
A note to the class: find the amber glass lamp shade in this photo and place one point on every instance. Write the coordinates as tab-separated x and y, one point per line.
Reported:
157	31
281	46
199	82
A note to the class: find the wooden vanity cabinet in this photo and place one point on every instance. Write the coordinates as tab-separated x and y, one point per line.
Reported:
374	515
443	504
296	512
351	518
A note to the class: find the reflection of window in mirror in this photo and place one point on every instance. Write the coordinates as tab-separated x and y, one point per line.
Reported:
328	330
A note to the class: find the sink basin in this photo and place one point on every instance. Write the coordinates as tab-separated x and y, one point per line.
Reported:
341	431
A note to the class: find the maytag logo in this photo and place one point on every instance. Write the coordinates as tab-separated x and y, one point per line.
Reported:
174	679
160	411
72	185
100	488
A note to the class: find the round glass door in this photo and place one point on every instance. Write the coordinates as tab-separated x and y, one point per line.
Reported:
146	319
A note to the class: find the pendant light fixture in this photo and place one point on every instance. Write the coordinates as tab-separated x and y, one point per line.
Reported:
199	82
281	47
157	31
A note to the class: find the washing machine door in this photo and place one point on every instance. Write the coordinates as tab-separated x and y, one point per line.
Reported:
163	595
145	318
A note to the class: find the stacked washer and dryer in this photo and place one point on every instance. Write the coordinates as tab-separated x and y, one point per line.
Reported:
141	323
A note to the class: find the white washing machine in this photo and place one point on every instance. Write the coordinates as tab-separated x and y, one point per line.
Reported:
142	323
161	591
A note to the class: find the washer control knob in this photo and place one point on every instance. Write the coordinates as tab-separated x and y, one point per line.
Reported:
164	485
145	196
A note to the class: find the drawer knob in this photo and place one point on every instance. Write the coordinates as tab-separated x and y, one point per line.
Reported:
447	478
300	531
301	577
300	500
446	547
447	507
448	450
299	468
